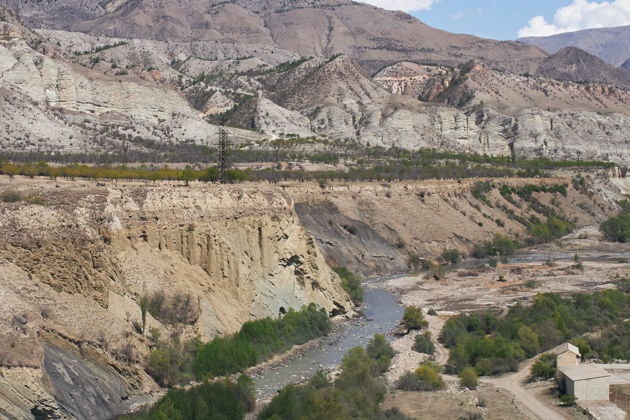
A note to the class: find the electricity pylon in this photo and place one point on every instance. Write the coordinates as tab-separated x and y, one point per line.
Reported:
224	144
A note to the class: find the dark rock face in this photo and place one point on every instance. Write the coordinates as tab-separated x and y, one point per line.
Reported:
626	65
350	243
576	65
81	388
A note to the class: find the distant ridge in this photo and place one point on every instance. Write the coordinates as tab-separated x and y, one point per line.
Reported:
576	65
372	36
610	44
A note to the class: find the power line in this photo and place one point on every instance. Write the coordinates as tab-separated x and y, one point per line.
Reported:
224	144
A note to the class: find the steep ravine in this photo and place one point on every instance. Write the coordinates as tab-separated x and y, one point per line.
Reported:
76	259
74	269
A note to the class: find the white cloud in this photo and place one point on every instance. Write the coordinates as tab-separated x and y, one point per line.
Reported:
581	14
404	5
458	16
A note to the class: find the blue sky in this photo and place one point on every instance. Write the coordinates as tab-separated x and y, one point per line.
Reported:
509	19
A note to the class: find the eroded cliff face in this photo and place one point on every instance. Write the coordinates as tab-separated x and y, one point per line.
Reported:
76	260
374	228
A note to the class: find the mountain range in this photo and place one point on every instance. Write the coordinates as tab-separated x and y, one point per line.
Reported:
610	44
92	77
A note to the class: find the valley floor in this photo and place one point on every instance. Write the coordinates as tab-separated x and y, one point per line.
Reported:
472	289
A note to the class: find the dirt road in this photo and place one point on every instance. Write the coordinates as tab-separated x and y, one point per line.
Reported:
527	398
435	327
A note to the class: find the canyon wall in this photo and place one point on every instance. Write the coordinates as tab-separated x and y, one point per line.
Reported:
75	261
374	228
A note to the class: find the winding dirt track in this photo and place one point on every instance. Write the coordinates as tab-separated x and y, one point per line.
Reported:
513	382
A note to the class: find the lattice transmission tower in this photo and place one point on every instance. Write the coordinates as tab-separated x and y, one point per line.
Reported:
224	145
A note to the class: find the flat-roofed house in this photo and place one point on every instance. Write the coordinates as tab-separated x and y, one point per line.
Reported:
585	382
567	355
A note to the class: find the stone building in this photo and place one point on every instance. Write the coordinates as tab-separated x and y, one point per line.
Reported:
585	382
567	355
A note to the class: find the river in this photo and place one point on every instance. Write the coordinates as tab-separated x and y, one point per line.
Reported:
382	314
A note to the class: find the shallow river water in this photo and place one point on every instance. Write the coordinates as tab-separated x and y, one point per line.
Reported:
382	314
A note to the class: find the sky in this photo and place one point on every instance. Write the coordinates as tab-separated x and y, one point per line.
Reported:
511	19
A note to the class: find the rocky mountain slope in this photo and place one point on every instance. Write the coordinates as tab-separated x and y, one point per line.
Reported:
87	93
76	262
610	44
51	103
576	65
470	109
626	65
306	27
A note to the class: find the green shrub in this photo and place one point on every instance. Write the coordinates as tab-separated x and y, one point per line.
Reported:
413	318
567	400
531	284
178	308
499	245
380	350
468	378
410	382
451	256
212	400
259	340
617	229
555	227
351	283
480	190
10	196
430	377
544	367
424	344
169	363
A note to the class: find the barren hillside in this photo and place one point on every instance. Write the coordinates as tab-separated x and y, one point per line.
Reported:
307	27
575	65
610	44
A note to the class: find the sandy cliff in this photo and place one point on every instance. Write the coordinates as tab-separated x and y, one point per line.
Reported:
75	265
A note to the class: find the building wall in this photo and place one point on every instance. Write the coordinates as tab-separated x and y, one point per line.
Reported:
589	390
567	359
